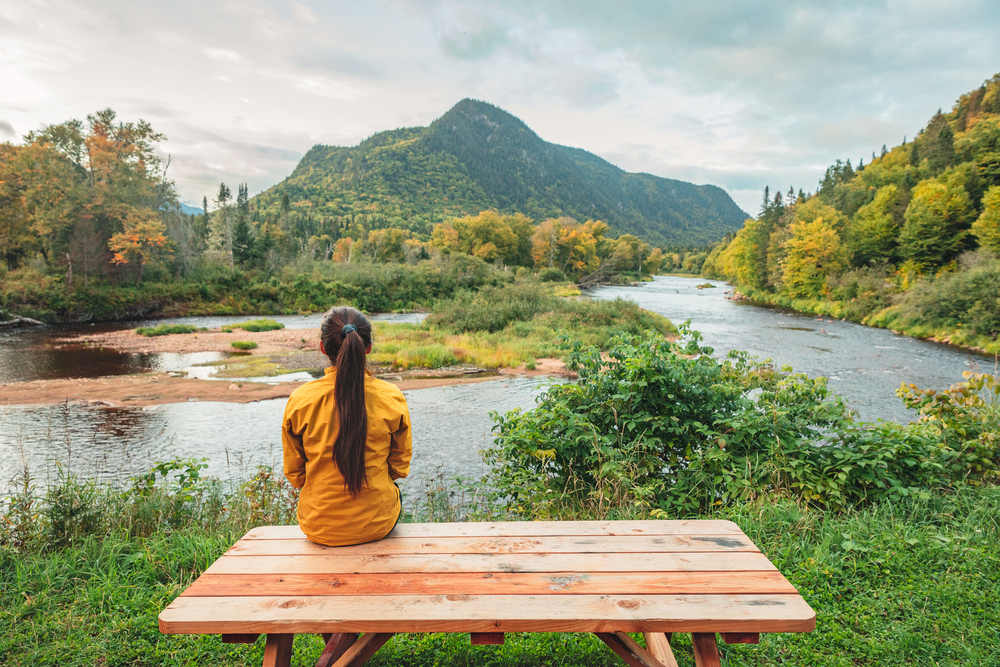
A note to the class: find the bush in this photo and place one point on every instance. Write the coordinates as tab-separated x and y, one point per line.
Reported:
166	329
683	432
551	275
254	326
493	308
244	344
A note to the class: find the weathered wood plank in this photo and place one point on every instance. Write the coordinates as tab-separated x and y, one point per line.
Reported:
278	650
334	563
503	545
658	645
529	529
487	583
628	650
490	613
706	651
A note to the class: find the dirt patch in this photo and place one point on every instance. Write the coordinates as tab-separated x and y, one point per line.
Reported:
268	342
159	388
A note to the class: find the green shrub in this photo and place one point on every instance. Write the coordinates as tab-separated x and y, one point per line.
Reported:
244	344
254	326
166	329
685	432
493	308
551	275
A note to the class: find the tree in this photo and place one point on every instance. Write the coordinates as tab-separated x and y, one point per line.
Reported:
936	222
242	236
872	233
141	242
15	232
490	236
987	227
813	251
221	239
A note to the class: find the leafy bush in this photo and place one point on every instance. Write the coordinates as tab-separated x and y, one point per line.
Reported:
551	275
969	299
254	326
244	344
681	431
166	329
493	308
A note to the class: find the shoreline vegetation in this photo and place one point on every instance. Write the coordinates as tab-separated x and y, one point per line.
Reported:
909	242
891	533
515	328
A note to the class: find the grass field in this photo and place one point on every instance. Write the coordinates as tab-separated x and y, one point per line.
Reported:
911	583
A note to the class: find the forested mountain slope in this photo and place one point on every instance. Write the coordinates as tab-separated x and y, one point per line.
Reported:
911	240
479	157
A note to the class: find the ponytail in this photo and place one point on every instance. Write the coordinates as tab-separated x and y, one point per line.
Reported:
346	334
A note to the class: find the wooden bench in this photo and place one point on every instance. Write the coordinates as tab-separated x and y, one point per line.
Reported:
487	579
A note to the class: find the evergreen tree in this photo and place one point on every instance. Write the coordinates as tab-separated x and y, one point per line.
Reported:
942	153
914	155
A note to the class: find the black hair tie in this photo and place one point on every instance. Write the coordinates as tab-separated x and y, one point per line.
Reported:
348	328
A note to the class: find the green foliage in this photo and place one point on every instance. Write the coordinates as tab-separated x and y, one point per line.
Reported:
551	275
955	301
166	329
908	216
987	227
681	431
244	344
255	326
493	308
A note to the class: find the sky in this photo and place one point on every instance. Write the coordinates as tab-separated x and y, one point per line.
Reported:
742	94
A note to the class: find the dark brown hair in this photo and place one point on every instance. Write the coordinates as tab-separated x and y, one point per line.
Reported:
347	354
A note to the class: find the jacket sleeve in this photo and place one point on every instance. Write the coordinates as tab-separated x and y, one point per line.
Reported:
293	453
401	448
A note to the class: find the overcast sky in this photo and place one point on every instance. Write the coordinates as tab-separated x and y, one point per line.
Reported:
741	94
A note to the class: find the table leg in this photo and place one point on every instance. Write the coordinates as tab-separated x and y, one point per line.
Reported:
278	650
658	645
336	645
364	648
706	651
628	650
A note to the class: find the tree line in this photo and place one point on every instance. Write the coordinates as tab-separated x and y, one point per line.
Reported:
922	213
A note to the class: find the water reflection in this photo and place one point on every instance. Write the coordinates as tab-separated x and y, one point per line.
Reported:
864	365
35	354
450	426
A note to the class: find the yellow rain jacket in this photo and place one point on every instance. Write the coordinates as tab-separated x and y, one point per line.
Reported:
327	512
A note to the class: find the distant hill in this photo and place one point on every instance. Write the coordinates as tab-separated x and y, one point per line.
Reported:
191	210
479	157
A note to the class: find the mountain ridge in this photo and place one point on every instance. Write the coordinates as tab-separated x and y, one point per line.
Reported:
476	157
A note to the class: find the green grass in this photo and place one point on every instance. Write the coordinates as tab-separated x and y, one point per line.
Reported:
915	582
166	329
244	344
254	326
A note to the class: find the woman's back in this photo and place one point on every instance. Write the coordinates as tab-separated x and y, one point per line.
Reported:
331	512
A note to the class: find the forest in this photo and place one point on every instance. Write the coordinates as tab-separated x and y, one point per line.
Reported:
91	228
909	241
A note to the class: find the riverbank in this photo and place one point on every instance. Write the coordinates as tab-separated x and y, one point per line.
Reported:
890	318
163	388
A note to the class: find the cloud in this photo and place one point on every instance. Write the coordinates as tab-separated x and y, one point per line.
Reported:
7	130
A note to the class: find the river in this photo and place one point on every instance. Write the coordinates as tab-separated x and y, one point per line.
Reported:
450	424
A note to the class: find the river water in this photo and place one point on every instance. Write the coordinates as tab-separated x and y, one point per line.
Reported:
863	364
450	424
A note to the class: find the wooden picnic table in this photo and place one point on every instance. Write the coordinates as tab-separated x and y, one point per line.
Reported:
606	577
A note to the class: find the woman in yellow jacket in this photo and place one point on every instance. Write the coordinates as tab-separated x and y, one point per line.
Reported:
346	438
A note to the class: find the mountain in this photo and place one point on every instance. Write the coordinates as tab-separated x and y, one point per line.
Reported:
190	210
479	157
